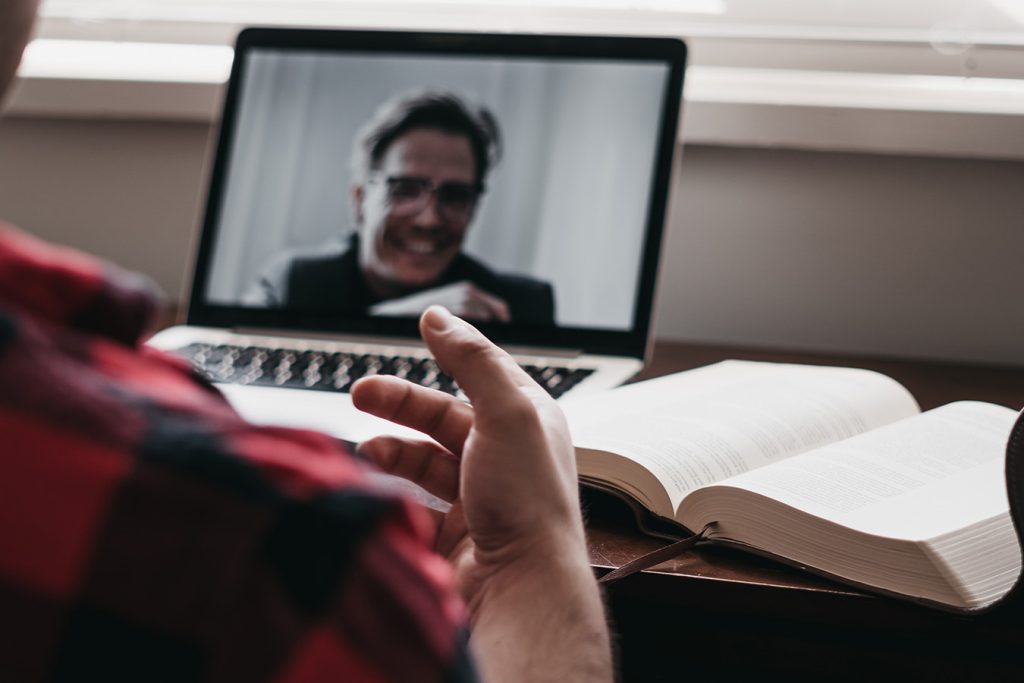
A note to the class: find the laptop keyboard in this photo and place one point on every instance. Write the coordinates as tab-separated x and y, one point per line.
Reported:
337	371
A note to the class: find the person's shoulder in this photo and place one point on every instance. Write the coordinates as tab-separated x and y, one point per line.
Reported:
524	282
312	258
296	267
296	274
479	273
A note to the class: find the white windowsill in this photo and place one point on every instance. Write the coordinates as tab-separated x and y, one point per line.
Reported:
865	112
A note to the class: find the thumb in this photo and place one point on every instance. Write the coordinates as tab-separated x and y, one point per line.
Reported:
486	374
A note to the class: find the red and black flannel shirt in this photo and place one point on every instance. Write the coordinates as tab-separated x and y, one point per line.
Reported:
148	533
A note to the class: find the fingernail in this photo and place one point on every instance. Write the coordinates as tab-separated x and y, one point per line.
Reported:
437	318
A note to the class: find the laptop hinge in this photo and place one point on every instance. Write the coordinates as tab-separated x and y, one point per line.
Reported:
328	337
396	341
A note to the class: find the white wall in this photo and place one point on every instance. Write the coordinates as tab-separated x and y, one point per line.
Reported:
125	190
860	253
876	254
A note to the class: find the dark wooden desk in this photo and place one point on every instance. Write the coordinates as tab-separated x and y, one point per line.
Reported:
714	611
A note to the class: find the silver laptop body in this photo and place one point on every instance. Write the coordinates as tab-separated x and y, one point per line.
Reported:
313	264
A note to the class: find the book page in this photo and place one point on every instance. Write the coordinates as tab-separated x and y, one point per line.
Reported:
916	479
702	426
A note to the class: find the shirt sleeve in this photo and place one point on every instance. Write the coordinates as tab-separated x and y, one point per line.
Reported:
148	533
267	555
148	541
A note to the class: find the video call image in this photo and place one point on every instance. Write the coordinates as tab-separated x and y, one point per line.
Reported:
508	190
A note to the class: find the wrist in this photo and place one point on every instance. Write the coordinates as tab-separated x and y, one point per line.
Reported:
535	539
535	566
548	606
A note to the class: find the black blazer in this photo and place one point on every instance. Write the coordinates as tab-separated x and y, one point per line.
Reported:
329	280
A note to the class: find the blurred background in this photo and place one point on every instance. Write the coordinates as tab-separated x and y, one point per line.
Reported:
850	176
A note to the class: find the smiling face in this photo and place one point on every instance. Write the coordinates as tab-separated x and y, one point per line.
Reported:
401	251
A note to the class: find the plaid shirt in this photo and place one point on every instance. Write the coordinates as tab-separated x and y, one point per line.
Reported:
148	533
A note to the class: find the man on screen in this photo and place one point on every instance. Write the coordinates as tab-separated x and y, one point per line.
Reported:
420	168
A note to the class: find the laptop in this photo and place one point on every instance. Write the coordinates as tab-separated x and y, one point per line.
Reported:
359	176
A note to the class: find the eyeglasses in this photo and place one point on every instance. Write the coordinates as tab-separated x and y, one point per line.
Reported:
408	195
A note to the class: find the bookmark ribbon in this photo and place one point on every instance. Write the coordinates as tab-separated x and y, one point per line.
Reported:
655	557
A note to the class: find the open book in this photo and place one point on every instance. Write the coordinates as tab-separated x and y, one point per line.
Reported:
833	469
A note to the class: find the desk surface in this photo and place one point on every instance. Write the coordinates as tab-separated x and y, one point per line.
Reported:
715	611
724	579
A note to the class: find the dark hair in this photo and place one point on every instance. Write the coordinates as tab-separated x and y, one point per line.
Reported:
434	109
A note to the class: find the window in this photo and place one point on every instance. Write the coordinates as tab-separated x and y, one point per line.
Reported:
955	37
902	76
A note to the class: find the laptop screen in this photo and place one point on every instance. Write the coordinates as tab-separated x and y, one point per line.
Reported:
519	181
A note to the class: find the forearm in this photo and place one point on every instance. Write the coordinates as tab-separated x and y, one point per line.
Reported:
544	623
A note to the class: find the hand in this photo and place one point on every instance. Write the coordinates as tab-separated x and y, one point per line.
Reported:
461	298
514	534
506	464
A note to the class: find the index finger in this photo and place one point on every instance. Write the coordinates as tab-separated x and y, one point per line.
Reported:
488	375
